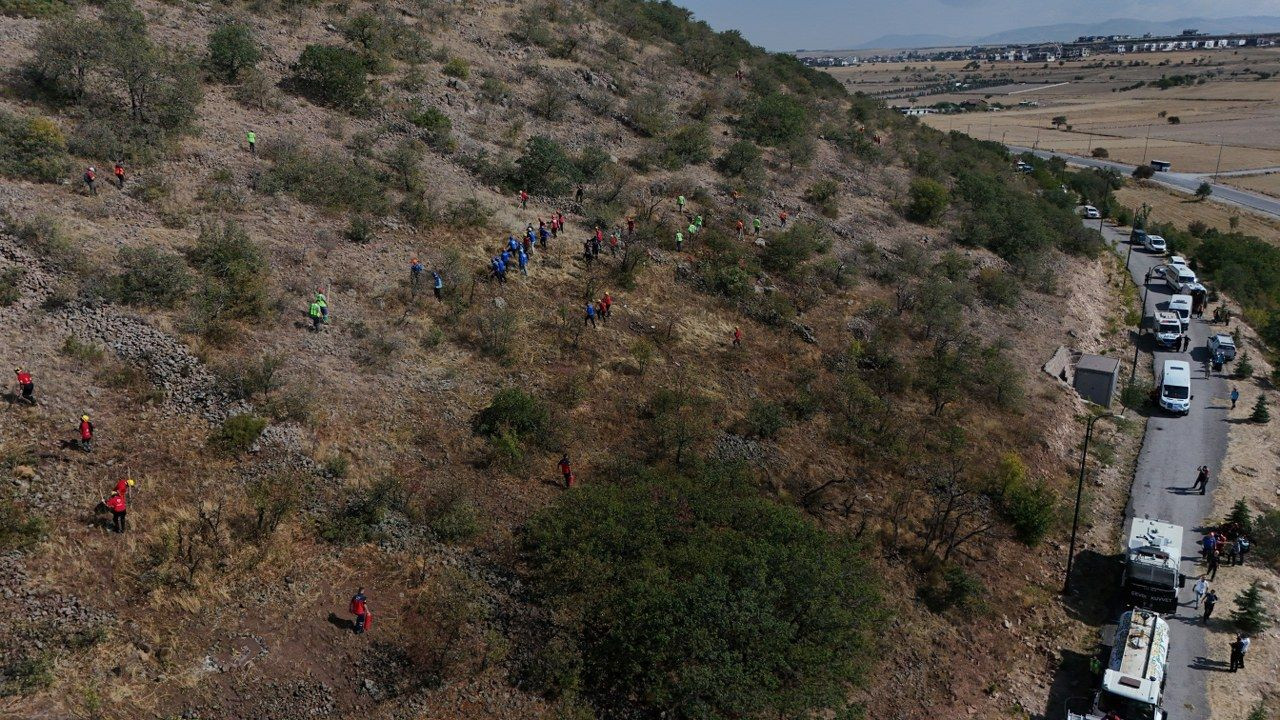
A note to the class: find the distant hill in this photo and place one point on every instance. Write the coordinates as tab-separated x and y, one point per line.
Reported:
1070	31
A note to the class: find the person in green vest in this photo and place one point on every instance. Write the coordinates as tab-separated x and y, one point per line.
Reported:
679	241
316	317
698	222
693	229
323	302
680	202
252	137
757	224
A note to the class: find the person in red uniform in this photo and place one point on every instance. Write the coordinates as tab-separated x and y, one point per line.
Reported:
782	216
360	608
116	505
566	470
606	303
26	385
737	337
123	485
86	433
524	199
631	225
119	173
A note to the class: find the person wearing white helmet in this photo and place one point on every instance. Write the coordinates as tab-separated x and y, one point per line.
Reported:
90	175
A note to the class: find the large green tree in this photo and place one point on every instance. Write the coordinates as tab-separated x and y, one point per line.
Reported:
694	597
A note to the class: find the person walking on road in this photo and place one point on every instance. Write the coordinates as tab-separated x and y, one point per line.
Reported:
26	386
1201	587
1209	542
1235	395
1210	601
1202	479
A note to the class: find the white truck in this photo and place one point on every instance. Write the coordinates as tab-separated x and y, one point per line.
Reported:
1153	565
1133	681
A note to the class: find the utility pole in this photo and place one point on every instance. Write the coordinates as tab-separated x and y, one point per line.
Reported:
1218	165
1145	144
1075	522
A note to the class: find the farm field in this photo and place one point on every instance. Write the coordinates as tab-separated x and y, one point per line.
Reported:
1168	206
1235	110
1268	184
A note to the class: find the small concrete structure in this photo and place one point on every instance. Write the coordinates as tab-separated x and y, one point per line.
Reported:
1095	378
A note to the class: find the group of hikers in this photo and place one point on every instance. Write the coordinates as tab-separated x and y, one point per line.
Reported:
91	177
517	252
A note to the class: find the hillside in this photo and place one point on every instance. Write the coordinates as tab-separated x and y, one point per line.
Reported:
835	513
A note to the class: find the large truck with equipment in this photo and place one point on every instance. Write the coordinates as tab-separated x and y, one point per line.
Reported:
1133	681
1153	565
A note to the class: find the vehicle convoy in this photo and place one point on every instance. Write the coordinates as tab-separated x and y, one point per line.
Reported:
1168	329
1180	305
1154	243
1225	343
1153	565
1175	387
1133	681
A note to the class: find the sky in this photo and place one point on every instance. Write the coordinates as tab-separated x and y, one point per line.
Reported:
840	24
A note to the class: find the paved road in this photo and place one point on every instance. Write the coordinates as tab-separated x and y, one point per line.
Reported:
1183	182
1171	451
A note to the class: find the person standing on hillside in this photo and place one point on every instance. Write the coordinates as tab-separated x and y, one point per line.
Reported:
415	273
756	225
590	316
1238	647
324	305
1210	601
606	303
680	203
116	505
566	469
360	608
782	218
313	311
119	173
524	199
523	260
631	225
26	386
438	285
123	485
252	138
679	241
86	433
577	196
543	236
90	178
739	227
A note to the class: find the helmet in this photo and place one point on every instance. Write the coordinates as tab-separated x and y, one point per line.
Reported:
130	482
91	169
84	417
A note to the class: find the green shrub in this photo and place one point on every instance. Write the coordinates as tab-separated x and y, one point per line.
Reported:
765	420
9	290
455	520
787	250
457	67
775	120
545	168
32	148
1244	368
824	196
151	278
1242	516
360	230
1144	172
952	587
332	76
648	113
435	125
1029	506
1250	613
19	529
234	273
323	179
996	287
1260	412
687	145
233	50
927	201
742	159
237	433
375	37
785	612
27	674
31	8
513	411
363	518
1136	395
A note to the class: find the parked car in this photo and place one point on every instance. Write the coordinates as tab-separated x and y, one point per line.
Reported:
1154	243
1225	343
1024	167
1091	212
1178	261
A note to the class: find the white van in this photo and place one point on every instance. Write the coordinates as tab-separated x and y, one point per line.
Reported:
1168	329
1179	278
1180	305
1175	387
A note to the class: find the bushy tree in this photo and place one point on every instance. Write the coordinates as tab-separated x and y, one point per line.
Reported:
687	145
1144	172
1028	505
332	76
234	270
150	277
233	50
742	159
1261	413
776	119
545	168
1250	613
1204	191
927	200
512	411
697	597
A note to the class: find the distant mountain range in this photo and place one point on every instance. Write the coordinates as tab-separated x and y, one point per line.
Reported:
1071	31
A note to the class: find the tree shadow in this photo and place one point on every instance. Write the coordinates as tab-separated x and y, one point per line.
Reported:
1072	686
1092	570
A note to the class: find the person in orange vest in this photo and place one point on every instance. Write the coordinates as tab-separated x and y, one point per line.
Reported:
86	433
116	505
119	173
90	176
360	608
737	337
740	227
524	199
566	469
782	217
26	386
